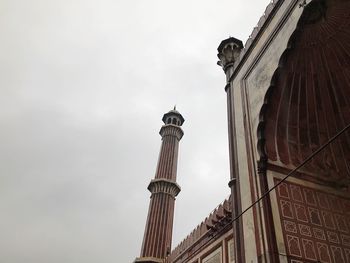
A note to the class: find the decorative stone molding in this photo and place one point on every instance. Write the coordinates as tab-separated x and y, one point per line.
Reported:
171	130
232	182
164	186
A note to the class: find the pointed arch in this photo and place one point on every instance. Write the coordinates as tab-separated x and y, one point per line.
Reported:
308	100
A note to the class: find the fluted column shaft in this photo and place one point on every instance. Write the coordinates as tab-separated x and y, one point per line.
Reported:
167	161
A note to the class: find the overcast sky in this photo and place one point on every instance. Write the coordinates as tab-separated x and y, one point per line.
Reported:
84	85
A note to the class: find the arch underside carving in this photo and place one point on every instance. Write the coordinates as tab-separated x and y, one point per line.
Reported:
308	101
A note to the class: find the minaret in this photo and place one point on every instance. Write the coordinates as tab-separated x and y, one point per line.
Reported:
156	243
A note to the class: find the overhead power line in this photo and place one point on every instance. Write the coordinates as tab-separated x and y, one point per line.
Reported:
274	187
293	171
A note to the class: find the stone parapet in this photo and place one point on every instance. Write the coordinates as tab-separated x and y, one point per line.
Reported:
232	52
202	235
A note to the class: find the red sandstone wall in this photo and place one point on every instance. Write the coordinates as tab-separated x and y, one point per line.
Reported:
315	224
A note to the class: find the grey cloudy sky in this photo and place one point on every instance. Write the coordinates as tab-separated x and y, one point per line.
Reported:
83	87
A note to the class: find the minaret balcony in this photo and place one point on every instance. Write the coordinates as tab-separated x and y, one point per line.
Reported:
164	186
171	130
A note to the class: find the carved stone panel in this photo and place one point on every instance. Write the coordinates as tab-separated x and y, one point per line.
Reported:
315	224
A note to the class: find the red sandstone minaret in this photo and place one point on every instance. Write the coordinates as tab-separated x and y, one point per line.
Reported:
159	226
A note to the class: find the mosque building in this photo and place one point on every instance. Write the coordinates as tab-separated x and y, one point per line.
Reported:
288	109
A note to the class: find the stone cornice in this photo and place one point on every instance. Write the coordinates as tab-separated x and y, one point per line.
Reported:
164	186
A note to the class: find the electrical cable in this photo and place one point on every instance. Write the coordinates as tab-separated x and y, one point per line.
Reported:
293	171
276	185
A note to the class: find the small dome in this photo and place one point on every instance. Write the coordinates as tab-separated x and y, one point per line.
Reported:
173	117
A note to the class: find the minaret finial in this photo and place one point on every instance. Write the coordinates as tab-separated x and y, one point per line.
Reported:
175	107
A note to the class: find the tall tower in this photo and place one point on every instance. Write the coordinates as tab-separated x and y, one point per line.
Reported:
156	243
